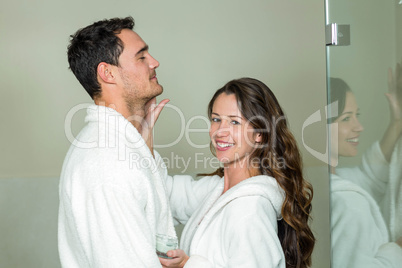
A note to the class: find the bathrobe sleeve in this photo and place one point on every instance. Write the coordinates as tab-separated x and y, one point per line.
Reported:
356	239
373	173
186	194
248	236
118	232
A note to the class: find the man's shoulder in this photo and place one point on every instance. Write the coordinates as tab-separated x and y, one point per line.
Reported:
108	162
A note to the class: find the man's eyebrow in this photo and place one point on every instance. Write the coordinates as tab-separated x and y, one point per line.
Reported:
145	48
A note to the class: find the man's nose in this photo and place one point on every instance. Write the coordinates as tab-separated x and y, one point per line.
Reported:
153	63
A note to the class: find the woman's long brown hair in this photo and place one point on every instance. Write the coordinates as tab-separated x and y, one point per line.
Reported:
278	157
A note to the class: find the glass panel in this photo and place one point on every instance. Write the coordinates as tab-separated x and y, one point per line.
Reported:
366	149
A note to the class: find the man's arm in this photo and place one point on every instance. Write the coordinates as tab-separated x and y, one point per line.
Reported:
115	231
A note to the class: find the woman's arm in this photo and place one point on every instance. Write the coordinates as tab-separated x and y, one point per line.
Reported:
186	194
394	97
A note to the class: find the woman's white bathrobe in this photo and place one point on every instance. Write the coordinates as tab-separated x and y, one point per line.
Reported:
392	203
234	229
112	197
359	235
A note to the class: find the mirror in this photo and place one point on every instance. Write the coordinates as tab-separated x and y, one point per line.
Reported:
364	94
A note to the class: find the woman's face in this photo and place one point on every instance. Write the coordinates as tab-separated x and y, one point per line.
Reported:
231	134
345	130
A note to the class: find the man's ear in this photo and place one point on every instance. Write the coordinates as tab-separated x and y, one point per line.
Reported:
105	72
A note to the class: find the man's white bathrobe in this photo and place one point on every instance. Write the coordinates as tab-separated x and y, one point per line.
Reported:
112	197
234	229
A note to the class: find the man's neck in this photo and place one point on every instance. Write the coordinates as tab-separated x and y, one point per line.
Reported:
134	114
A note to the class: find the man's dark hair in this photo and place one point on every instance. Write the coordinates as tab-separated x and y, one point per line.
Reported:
94	44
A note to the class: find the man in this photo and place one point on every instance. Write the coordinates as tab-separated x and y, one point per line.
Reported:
112	198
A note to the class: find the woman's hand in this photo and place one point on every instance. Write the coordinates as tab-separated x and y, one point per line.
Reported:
179	259
394	94
399	242
152	112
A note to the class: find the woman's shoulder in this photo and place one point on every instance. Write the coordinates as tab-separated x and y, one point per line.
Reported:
254	201
261	186
250	204
344	193
250	211
252	196
340	185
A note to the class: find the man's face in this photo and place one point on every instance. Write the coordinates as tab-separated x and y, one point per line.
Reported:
137	70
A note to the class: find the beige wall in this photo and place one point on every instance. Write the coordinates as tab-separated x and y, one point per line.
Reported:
200	45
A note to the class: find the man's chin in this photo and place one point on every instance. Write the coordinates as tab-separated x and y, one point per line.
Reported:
159	90
156	91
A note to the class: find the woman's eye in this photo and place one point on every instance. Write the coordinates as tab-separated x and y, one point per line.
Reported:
234	122
346	119
215	120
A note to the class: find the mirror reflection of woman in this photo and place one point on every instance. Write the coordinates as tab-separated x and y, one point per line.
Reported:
360	236
253	212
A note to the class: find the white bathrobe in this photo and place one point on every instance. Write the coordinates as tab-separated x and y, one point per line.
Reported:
112	197
234	229
392	203
359	236
372	175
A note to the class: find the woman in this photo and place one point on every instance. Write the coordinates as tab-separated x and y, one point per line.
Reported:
254	211
359	233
